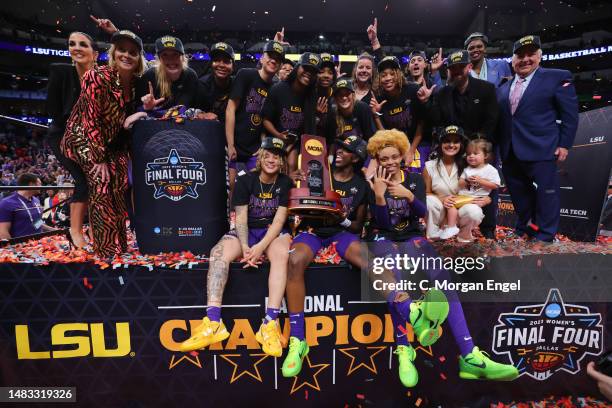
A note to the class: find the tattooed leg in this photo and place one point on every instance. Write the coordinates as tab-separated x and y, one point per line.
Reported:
227	250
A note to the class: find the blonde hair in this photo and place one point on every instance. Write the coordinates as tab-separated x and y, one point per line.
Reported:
340	121
400	79
260	156
388	138
142	62
163	83
374	79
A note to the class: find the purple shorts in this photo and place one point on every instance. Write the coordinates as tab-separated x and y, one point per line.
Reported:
343	240
255	234
248	165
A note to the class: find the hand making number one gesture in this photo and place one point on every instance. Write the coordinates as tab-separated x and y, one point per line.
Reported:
373	34
104	24
148	101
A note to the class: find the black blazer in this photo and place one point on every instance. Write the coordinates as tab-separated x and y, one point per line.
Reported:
63	90
482	111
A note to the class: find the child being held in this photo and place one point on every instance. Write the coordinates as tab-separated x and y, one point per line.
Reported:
477	180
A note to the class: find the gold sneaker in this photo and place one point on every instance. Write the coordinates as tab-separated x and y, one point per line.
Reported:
209	332
270	338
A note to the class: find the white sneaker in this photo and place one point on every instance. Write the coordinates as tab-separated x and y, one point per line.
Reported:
449	232
434	232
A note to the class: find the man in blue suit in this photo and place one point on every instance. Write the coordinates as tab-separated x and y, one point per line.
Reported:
491	70
537	125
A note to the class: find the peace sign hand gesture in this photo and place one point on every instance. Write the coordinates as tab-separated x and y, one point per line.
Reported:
379	181
148	101
104	24
424	93
322	105
436	62
373	34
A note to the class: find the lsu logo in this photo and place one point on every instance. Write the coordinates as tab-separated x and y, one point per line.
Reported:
220	46
314	147
265	196
90	341
262	92
168	41
295	108
397	110
278	48
456	56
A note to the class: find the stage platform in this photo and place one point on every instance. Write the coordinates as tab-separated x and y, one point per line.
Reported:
112	330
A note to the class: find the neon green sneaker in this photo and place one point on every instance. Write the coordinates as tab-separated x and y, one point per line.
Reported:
478	365
427	316
408	374
298	349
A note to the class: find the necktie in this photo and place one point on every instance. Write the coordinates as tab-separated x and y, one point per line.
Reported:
516	95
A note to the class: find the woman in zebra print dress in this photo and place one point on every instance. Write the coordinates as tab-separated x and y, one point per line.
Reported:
94	139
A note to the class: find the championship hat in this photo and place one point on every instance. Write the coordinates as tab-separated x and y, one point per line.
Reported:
169	42
222	48
127	35
533	40
310	59
273	144
275	46
327	60
458	57
343	84
355	145
389	61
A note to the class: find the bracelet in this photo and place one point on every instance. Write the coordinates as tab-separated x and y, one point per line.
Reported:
346	223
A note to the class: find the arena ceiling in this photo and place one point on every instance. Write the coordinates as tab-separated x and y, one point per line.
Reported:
425	17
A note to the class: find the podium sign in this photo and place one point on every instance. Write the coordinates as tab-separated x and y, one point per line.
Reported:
317	201
176	170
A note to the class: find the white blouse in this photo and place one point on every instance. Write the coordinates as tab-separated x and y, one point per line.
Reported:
442	184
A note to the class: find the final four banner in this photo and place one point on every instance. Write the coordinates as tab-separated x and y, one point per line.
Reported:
180	185
583	179
115	335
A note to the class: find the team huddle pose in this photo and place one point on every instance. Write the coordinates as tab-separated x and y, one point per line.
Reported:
404	147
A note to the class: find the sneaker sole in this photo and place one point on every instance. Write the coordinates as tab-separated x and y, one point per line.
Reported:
435	309
202	344
266	349
470	376
300	369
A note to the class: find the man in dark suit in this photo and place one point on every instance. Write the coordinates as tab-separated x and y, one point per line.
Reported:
538	123
471	104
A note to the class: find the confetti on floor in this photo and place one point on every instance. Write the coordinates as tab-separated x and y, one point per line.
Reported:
55	249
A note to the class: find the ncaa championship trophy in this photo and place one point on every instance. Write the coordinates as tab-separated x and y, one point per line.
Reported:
316	201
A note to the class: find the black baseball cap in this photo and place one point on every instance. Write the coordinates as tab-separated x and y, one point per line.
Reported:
273	144
458	57
127	35
389	61
355	145
475	36
417	54
275	46
343	84
525	41
222	48
451	130
310	59
327	60
169	42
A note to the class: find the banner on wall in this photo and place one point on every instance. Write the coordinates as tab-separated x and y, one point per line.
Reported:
583	179
116	339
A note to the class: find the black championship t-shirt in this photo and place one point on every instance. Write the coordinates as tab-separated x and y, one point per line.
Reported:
360	123
184	89
252	92
211	98
404	223
263	199
285	109
402	113
353	193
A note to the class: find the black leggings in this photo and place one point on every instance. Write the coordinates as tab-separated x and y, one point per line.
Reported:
80	193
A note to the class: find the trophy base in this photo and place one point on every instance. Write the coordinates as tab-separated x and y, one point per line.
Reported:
324	210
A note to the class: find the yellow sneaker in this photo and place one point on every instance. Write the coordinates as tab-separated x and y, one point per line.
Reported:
270	338
204	335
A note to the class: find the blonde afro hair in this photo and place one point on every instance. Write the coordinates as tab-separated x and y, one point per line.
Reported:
388	138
